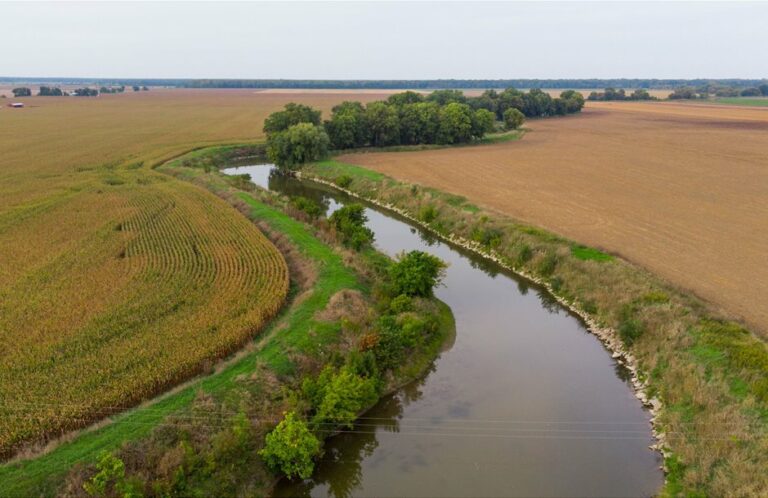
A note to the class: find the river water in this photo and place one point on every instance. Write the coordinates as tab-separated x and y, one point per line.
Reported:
525	402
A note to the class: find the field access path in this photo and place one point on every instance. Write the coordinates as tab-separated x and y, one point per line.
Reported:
679	188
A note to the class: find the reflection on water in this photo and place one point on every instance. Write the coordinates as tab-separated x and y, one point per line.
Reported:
525	402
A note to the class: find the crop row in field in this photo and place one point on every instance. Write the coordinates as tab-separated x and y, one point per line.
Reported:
197	281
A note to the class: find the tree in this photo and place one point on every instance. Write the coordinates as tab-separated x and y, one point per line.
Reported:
290	448
574	101
751	92
349	222
764	89
299	144
455	124
444	97
403	98
136	88
640	94
683	92
22	92
416	274
483	121
537	103
291	115
383	124
513	118
348	126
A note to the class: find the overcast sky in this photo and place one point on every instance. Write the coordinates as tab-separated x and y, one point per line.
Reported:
385	40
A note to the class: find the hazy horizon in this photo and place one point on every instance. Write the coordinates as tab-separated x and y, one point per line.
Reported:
385	41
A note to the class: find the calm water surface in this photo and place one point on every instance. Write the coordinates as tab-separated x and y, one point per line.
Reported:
525	402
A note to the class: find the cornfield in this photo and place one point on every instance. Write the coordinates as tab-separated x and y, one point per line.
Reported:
116	281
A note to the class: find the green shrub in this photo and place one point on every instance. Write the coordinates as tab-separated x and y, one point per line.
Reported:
343	181
307	206
427	213
416	274
401	304
290	448
110	480
349	222
489	237
547	264
338	397
524	254
630	328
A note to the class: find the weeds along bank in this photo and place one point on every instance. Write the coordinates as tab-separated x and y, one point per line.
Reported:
329	356
705	379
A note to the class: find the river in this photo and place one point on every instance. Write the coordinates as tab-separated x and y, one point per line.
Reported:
525	402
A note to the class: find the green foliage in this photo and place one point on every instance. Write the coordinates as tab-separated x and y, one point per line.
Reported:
427	213
292	114
416	274
299	144
343	181
483	121
383	124
524	254
455	124
349	222
110	479
401	304
513	118
630	328
291	447
487	236
307	206
339	397
590	254
547	264
739	350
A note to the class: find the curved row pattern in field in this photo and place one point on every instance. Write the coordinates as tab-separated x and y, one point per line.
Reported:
177	279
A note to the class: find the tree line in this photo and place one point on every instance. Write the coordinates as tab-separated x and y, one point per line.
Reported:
297	135
706	91
620	94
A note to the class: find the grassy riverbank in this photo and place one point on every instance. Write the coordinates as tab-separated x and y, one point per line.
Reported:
705	378
204	436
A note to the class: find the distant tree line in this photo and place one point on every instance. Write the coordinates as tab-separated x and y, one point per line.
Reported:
583	83
708	90
296	134
621	94
50	91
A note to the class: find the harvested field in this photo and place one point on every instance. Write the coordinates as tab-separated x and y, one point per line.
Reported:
117	281
679	188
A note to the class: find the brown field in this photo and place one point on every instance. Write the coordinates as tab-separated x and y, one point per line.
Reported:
681	189
117	281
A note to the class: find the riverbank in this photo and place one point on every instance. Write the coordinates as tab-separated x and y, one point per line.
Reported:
205	435
702	378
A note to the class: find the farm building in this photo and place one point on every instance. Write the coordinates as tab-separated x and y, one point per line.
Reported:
16	104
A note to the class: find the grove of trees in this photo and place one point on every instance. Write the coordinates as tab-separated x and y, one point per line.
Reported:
295	135
22	92
48	91
85	92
